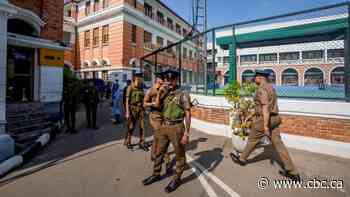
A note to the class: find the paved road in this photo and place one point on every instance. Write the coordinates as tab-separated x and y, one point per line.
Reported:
94	163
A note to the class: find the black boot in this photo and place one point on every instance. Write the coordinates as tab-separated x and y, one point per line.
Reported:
129	146
294	177
236	158
150	180
173	185
143	147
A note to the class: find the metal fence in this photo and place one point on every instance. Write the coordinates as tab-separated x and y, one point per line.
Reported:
306	53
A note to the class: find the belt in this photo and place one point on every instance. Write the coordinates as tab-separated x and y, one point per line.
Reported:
168	123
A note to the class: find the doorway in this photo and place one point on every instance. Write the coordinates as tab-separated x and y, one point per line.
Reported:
20	74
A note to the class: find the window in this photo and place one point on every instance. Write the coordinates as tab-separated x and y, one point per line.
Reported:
170	24
313	77
160	42
133	33
105	34
248	58
68	12
105	3
308	55
160	18
87	8
169	50
134	3
191	54
226	59
148	10
95	35
184	32
335	53
147	37
290	56
178	29
268	57
290	77
67	38
184	52
96	5
87	39
337	76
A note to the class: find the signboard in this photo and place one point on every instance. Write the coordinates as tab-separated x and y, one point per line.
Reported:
50	57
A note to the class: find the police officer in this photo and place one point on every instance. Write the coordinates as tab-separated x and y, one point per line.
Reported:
134	111
155	116
175	109
91	100
71	92
265	122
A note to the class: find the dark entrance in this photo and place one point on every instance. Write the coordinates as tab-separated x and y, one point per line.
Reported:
20	74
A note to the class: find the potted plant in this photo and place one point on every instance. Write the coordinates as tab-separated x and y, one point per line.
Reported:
241	111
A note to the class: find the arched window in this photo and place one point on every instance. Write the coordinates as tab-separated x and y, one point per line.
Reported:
290	77
248	75
21	27
272	76
337	76
314	77
104	63
86	64
94	63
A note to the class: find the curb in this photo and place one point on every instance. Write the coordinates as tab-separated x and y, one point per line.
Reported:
24	156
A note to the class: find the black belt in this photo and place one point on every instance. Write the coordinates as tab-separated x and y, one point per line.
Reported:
168	122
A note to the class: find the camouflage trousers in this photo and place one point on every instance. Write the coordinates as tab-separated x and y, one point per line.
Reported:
136	116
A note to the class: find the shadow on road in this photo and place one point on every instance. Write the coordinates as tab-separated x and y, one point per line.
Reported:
66	145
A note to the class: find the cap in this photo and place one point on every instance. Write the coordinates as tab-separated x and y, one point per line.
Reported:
171	74
159	75
263	73
138	74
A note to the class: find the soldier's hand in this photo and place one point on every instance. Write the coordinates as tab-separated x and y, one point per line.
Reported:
185	139
127	116
267	131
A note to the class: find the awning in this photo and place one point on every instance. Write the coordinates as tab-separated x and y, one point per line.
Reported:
32	42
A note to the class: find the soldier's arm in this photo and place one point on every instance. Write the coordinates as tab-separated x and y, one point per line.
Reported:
186	100
127	99
147	101
264	100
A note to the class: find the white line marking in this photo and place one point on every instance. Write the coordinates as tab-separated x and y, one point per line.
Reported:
226	188
210	191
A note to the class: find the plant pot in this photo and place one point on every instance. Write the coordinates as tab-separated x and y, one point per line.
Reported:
238	143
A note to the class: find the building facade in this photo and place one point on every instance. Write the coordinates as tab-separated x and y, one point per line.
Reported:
303	59
111	36
31	56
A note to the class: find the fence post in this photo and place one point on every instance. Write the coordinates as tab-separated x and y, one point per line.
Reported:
213	61
347	58
180	63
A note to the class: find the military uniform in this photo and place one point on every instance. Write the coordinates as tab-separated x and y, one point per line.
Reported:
266	95
70	100
175	104
156	119
91	100
135	96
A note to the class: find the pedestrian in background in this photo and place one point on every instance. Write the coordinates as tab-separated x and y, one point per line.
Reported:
117	105
91	99
71	91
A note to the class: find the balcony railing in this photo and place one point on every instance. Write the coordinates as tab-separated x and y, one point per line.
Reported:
336	60
311	61
290	61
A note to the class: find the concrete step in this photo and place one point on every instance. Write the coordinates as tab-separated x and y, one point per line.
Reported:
23	123
31	127
30	136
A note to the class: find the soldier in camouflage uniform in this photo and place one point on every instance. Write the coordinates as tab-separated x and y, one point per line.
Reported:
156	118
134	111
71	91
264	124
176	108
91	99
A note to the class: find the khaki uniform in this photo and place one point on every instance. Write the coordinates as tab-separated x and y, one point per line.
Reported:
173	131
135	97
156	120
266	95
91	100
71	93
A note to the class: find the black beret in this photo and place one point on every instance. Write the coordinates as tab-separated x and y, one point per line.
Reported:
263	73
138	74
171	74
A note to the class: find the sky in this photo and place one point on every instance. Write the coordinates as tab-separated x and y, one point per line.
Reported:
222	12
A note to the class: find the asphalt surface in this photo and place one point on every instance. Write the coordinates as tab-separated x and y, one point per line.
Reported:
95	163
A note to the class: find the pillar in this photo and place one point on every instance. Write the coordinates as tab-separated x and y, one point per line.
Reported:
233	62
3	71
